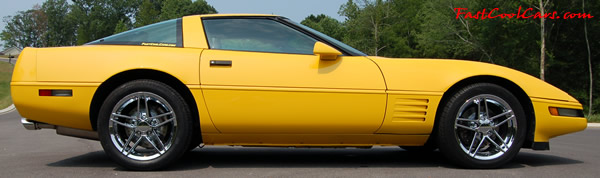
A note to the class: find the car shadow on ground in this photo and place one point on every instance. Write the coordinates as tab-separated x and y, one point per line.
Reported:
241	157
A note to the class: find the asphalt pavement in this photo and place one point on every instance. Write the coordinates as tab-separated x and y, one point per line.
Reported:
42	153
12	61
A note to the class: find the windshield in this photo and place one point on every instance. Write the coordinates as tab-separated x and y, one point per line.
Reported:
335	42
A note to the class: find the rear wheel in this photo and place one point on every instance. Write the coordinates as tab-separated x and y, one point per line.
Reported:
482	126
145	125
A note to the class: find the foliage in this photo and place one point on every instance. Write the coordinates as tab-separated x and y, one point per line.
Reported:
5	75
26	28
324	24
178	8
75	22
595	118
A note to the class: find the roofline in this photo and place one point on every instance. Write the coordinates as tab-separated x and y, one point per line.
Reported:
234	15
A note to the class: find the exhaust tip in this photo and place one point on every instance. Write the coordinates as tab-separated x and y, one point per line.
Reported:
28	125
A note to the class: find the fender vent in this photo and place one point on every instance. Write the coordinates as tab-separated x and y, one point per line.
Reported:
410	110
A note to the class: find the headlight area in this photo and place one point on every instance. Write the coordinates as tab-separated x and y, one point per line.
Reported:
556	111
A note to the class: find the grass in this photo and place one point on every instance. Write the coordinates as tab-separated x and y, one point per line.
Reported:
595	118
6	70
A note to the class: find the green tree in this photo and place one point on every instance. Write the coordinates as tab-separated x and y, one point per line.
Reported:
149	12
61	27
99	18
25	29
121	27
325	25
178	8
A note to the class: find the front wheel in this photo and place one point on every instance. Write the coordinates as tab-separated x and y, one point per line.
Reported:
481	126
144	125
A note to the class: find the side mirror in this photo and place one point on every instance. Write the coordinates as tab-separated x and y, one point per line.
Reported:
326	52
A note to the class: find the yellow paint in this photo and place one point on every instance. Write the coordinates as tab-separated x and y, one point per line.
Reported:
193	32
26	70
206	124
325	52
549	126
278	112
410	113
73	64
282	93
72	112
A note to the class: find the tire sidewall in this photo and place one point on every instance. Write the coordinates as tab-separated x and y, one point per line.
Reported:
182	113
448	142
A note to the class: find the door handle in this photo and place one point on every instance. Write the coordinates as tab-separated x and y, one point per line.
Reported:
220	63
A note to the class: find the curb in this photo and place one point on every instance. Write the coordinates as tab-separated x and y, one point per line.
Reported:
595	125
8	109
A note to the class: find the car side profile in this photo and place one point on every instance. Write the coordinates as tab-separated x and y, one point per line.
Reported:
151	94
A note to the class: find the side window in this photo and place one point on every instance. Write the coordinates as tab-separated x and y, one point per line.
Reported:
167	33
261	35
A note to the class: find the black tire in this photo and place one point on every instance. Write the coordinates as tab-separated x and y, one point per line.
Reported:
462	117
166	122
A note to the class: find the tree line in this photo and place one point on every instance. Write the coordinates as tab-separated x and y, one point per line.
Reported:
60	23
559	51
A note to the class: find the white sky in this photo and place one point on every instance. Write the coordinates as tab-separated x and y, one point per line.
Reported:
296	10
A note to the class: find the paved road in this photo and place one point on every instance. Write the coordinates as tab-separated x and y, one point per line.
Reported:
44	154
13	61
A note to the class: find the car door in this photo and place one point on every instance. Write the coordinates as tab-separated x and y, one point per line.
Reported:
260	76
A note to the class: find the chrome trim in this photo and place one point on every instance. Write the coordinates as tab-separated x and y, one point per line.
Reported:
32	125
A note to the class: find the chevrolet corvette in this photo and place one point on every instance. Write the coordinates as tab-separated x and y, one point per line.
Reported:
151	94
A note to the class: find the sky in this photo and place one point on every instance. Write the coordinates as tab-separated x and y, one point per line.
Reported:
296	10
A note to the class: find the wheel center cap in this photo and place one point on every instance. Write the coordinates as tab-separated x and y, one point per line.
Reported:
143	127
485	129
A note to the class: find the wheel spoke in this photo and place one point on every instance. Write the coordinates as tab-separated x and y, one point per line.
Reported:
463	119
134	146
163	123
473	141
138	106
123	116
479	146
127	142
487	112
154	145
123	124
478	102
500	137
147	109
161	115
465	127
496	144
156	136
500	115
504	121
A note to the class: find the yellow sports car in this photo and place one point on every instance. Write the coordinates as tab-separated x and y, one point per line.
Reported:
153	93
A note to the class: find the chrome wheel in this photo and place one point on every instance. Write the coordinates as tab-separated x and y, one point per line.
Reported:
485	127
142	126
